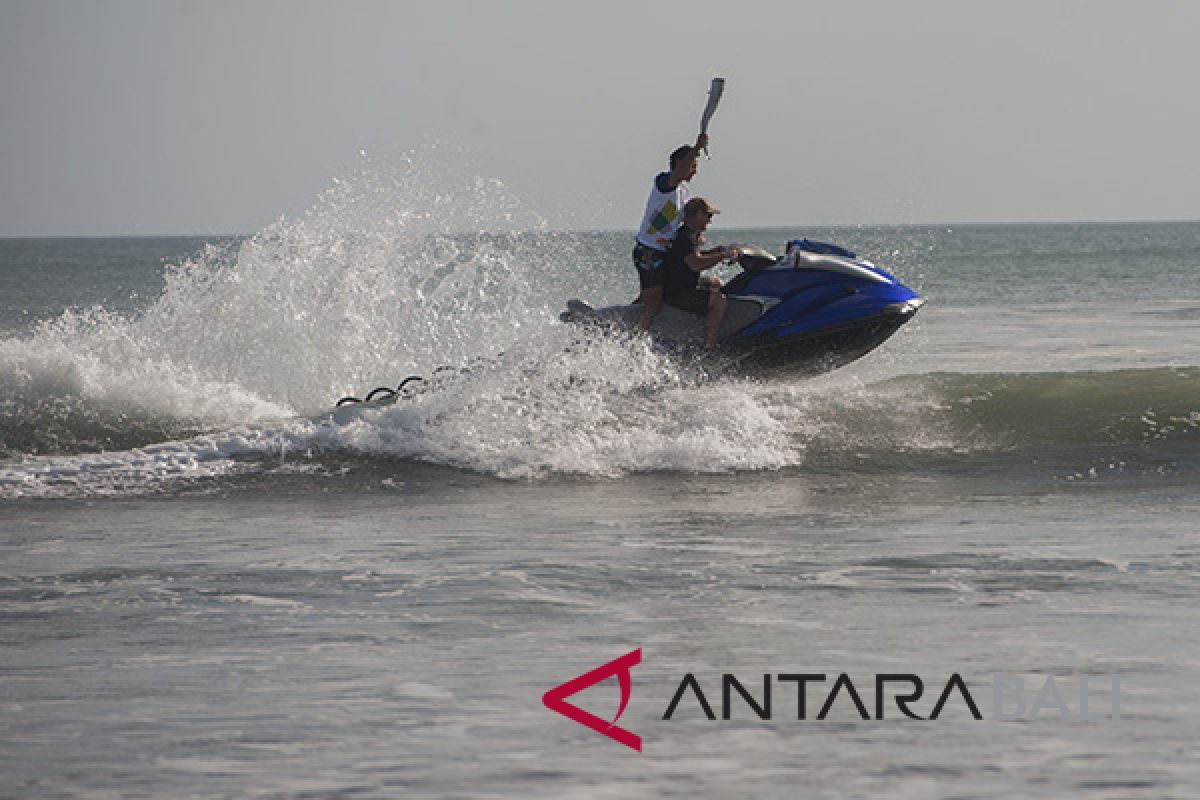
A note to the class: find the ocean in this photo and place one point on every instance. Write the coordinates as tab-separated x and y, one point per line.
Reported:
212	587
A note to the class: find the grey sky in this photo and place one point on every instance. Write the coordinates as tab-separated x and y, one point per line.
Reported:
160	117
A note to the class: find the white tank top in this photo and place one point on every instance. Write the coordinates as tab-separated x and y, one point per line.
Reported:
664	213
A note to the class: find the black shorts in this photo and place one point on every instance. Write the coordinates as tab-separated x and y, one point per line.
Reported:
694	300
651	266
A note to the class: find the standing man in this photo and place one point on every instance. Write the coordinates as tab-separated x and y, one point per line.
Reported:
686	259
660	222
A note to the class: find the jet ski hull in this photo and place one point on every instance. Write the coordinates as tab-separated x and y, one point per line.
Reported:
823	350
818	308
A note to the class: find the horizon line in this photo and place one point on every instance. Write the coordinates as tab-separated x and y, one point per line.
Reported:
835	225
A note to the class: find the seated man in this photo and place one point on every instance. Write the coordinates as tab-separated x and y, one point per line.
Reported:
685	260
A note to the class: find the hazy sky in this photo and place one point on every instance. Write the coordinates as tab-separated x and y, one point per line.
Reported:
203	117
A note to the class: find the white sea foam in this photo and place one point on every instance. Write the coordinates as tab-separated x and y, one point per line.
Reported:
378	280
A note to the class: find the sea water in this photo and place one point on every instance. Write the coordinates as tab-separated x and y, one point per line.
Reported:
210	586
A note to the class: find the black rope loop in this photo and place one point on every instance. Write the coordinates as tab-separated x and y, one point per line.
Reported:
380	391
402	390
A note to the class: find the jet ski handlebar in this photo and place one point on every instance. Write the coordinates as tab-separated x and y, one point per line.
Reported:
755	259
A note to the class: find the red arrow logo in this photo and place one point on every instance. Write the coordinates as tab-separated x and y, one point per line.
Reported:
556	698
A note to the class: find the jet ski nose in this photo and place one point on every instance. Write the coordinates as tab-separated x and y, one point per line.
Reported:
906	308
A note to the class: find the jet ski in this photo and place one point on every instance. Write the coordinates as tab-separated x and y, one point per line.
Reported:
816	308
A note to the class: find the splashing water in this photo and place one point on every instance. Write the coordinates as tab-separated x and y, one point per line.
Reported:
376	280
392	272
398	269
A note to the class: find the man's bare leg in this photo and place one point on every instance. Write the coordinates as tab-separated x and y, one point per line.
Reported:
714	316
652	301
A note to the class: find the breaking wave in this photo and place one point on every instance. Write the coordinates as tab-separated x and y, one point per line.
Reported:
606	408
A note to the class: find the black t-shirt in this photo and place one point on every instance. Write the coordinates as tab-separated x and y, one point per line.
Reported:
680	277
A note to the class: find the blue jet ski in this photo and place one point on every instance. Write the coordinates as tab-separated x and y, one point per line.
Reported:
814	309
